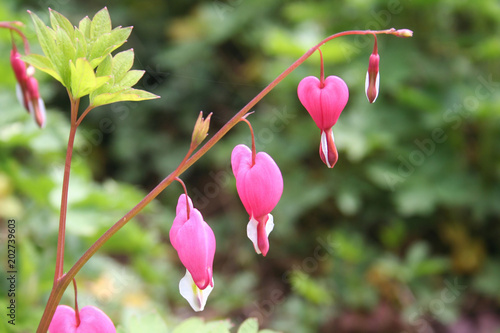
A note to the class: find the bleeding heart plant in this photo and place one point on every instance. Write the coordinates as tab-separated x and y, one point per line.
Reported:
80	58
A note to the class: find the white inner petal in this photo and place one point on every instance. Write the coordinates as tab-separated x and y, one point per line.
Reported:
367	83
19	94
252	231
324	146
196	297
377	83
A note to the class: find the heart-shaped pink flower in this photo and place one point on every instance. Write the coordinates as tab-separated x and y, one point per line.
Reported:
259	187
324	103
92	320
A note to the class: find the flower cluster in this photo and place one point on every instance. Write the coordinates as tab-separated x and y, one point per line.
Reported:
325	99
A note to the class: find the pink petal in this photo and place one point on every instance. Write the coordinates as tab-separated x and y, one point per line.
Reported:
180	218
92	320
196	248
323	104
259	186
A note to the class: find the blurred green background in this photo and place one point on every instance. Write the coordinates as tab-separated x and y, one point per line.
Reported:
401	236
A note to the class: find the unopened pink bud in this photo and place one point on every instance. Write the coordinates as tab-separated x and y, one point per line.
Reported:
35	102
372	81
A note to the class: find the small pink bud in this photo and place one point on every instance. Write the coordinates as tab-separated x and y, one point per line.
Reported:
259	187
372	81
92	320
18	65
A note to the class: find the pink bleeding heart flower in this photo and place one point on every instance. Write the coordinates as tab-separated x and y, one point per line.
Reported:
259	186
92	320
324	102
194	241
27	88
372	81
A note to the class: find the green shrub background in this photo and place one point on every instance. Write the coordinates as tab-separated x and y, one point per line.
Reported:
402	235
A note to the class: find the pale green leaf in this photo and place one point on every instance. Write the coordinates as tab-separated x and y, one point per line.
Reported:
101	24
105	67
46	38
84	27
42	63
59	20
218	326
66	52
107	43
80	44
129	94
131	78
83	80
251	325
122	63
193	324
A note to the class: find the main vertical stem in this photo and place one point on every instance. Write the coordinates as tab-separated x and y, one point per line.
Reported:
59	271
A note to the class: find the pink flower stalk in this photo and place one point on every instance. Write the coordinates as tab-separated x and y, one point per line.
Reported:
259	184
372	81
27	88
324	101
91	319
194	241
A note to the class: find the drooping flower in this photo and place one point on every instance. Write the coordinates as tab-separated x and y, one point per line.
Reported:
27	88
194	241
324	101
260	185
372	81
92	320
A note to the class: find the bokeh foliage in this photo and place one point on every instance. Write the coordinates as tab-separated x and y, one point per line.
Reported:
401	235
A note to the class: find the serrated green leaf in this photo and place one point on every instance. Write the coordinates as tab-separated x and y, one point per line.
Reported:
251	325
42	63
84	27
122	63
101	24
83	79
129	94
59	20
107	43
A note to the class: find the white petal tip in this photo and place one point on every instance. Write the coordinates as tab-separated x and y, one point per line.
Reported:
252	231
196	297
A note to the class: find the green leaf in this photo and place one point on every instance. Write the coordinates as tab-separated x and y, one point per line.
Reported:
105	67
251	325
59	20
131	78
66	53
83	79
101	24
129	94
107	43
84	27
46	38
80	44
42	63
193	324
122	63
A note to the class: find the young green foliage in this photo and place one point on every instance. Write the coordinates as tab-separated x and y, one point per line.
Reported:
80	58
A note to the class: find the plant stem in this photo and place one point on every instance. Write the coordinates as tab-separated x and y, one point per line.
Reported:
63	282
64	196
